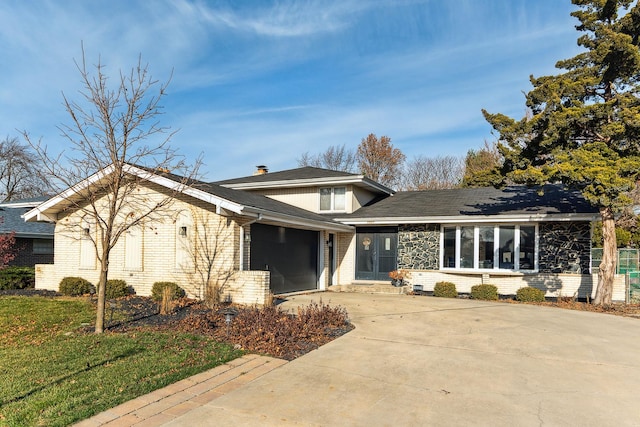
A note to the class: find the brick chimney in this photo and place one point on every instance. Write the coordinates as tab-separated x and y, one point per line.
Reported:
261	170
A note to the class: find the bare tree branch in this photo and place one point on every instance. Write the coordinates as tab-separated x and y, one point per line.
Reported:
336	157
112	128
20	173
432	173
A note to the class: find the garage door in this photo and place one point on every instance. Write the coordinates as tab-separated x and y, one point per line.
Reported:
290	254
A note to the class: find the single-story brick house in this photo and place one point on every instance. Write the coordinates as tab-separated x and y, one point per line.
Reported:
311	229
34	240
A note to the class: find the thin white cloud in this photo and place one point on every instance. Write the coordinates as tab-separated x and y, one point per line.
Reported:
280	19
263	82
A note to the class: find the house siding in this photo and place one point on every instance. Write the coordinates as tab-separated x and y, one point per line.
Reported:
554	285
346	256
159	252
563	261
25	256
361	197
307	198
565	247
419	246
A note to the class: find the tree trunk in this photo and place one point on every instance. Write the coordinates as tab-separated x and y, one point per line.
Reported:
604	291
102	291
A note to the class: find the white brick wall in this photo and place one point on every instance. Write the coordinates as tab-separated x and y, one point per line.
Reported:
554	285
158	260
346	258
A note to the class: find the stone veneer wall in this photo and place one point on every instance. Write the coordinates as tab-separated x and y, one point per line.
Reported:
565	247
419	246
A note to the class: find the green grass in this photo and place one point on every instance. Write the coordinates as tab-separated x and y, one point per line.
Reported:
50	374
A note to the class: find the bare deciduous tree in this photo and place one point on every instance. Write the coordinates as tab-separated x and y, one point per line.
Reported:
211	258
336	157
432	173
20	174
379	160
108	133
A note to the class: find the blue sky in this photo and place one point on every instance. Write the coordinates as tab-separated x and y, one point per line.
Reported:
261	82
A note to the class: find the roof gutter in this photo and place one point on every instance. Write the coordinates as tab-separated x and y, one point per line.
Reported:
290	183
297	221
469	219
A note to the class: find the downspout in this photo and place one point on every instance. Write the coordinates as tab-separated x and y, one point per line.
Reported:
259	218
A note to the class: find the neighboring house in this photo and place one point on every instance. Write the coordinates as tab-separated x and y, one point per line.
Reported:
308	229
34	240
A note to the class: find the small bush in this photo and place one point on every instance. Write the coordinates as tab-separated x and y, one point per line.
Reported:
74	286
272	330
117	288
445	290
17	278
484	292
158	289
529	294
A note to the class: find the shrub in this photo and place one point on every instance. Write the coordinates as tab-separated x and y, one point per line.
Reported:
17	278
117	288
272	330
74	286
484	292
158	288
529	294
445	290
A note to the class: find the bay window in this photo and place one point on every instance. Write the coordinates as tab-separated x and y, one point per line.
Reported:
489	247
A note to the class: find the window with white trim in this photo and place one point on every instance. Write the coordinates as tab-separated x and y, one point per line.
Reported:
333	198
489	247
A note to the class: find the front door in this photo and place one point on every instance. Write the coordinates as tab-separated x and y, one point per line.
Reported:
376	253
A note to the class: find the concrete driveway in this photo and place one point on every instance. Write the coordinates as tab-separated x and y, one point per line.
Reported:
416	360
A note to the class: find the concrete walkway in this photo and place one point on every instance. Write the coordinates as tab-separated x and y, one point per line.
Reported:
168	403
414	361
424	361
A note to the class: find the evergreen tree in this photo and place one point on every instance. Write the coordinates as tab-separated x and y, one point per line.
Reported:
482	168
584	126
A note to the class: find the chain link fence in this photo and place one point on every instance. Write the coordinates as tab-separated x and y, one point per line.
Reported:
627	264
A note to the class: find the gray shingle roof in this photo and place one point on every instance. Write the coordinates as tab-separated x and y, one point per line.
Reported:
514	200
251	200
258	201
306	172
11	220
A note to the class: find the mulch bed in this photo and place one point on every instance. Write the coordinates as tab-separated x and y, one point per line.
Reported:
265	330
618	309
268	330
29	292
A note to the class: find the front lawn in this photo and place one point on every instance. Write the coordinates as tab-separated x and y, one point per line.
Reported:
53	375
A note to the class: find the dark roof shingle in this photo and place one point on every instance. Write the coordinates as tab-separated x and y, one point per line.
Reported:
306	172
11	220
513	200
